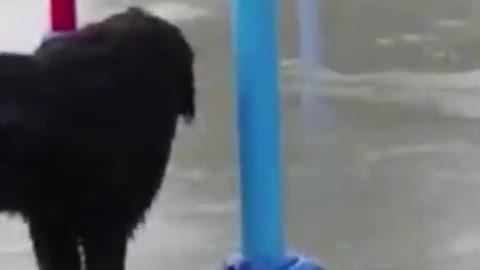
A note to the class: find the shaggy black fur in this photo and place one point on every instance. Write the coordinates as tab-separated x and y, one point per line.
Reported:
86	128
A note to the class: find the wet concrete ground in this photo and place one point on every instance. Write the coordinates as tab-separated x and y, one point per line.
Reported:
381	172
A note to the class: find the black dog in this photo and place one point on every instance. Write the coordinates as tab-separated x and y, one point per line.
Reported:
86	127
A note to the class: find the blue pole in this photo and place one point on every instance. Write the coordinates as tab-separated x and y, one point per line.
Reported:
256	63
255	52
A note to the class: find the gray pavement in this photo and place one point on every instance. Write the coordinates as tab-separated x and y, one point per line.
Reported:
381	171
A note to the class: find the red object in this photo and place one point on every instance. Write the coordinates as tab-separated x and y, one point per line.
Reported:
63	15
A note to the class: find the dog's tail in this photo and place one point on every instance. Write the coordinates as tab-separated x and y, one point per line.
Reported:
22	104
21	86
20	78
17	67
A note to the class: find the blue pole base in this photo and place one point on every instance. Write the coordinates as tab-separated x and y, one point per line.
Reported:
292	262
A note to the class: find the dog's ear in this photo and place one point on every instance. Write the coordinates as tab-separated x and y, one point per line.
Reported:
187	95
184	63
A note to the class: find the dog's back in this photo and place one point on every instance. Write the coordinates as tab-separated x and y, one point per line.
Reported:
23	113
23	103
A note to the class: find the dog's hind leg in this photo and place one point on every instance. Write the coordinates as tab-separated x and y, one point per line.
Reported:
105	249
55	246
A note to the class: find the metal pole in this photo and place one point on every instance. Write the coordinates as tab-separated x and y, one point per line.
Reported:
311	31
62	15
315	112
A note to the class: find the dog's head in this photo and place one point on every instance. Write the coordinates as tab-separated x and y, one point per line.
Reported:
132	42
152	41
168	45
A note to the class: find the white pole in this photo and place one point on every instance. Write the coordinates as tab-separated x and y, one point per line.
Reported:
311	32
311	60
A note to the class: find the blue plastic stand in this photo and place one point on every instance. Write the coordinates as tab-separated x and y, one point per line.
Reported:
292	262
